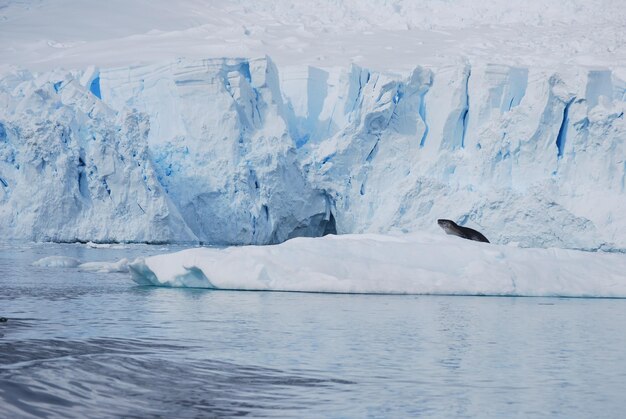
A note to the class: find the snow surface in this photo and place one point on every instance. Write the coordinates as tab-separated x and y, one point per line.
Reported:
256	122
402	264
379	34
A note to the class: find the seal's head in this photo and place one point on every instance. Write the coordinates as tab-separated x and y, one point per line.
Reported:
448	226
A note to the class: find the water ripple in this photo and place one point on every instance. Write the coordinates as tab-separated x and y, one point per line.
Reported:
140	378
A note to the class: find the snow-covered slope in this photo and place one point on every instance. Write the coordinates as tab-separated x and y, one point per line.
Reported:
504	118
379	34
405	264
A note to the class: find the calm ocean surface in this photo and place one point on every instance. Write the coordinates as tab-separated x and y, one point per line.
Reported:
81	344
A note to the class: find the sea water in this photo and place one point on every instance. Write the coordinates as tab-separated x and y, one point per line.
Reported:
83	344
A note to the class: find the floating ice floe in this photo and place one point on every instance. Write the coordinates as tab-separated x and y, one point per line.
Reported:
57	262
377	264
69	262
105	267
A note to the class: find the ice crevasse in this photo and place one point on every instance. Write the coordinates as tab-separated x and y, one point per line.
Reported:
239	151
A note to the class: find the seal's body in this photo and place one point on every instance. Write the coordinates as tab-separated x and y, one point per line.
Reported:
450	227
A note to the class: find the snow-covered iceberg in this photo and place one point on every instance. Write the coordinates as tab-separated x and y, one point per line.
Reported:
397	264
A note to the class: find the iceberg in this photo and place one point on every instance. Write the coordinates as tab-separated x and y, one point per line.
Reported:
419	263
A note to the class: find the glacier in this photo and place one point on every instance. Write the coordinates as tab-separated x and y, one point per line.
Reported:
244	151
73	169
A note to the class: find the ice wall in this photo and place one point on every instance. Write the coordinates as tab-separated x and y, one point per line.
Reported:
240	151
72	169
532	156
223	148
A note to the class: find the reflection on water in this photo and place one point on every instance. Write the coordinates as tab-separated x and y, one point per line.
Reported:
85	344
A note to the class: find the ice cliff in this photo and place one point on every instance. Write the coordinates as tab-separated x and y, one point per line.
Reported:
238	151
72	169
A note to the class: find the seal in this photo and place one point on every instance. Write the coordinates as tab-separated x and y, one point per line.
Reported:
450	227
